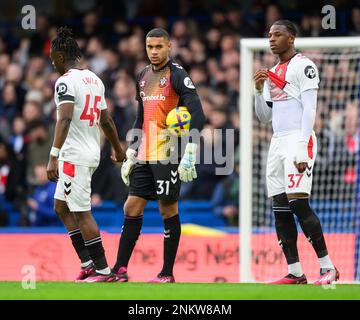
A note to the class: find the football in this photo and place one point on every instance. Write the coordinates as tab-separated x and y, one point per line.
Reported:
178	121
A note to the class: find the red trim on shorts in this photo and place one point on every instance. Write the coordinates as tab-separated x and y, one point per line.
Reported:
69	169
310	148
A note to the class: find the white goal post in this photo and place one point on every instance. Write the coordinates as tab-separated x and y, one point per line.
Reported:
248	46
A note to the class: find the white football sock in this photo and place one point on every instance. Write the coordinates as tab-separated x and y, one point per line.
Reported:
326	263
295	269
104	271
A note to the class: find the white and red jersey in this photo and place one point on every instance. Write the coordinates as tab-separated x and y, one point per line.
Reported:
301	73
86	91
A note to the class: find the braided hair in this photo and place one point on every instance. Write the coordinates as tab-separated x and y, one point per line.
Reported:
65	42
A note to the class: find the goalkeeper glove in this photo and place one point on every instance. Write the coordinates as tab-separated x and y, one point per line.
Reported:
128	165
186	167
302	154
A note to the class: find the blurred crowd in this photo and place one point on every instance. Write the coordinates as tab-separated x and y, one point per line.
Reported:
114	49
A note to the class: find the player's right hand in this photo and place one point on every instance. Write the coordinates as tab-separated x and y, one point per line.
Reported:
301	157
128	165
259	77
52	169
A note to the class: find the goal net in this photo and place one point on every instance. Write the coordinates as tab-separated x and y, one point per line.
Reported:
336	188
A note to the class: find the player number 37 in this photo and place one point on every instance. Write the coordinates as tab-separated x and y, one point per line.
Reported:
91	113
294	180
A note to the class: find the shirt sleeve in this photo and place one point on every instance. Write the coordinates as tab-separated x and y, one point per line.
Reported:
140	110
308	76
263	104
263	108
136	140
64	91
309	101
189	98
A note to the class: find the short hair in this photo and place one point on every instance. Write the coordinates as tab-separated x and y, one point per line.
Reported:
66	43
158	33
290	26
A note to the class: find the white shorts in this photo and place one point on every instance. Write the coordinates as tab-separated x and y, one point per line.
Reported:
74	186
281	173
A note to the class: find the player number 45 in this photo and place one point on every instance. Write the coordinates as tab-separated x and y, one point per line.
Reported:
294	177
91	113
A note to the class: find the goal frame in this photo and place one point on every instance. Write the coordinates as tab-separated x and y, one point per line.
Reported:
248	46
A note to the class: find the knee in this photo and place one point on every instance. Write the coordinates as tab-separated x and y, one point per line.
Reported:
133	209
85	220
60	210
280	200
281	208
301	208
168	209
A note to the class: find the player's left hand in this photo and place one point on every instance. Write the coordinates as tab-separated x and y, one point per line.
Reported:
186	169
128	165
301	157
118	157
52	169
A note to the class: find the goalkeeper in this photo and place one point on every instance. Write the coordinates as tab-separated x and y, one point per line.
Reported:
160	87
287	96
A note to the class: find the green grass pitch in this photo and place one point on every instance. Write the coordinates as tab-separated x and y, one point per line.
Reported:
176	291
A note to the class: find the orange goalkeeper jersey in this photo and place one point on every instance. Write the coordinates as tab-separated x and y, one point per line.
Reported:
158	92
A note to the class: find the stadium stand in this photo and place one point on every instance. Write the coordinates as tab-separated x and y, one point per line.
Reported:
205	40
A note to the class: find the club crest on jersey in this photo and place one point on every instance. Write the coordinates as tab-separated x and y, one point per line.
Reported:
162	82
61	89
310	72
142	84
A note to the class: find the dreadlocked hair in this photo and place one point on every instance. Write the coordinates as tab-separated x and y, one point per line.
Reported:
65	42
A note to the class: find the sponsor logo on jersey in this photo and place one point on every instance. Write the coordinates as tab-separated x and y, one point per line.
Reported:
188	83
310	72
158	97
162	83
61	89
